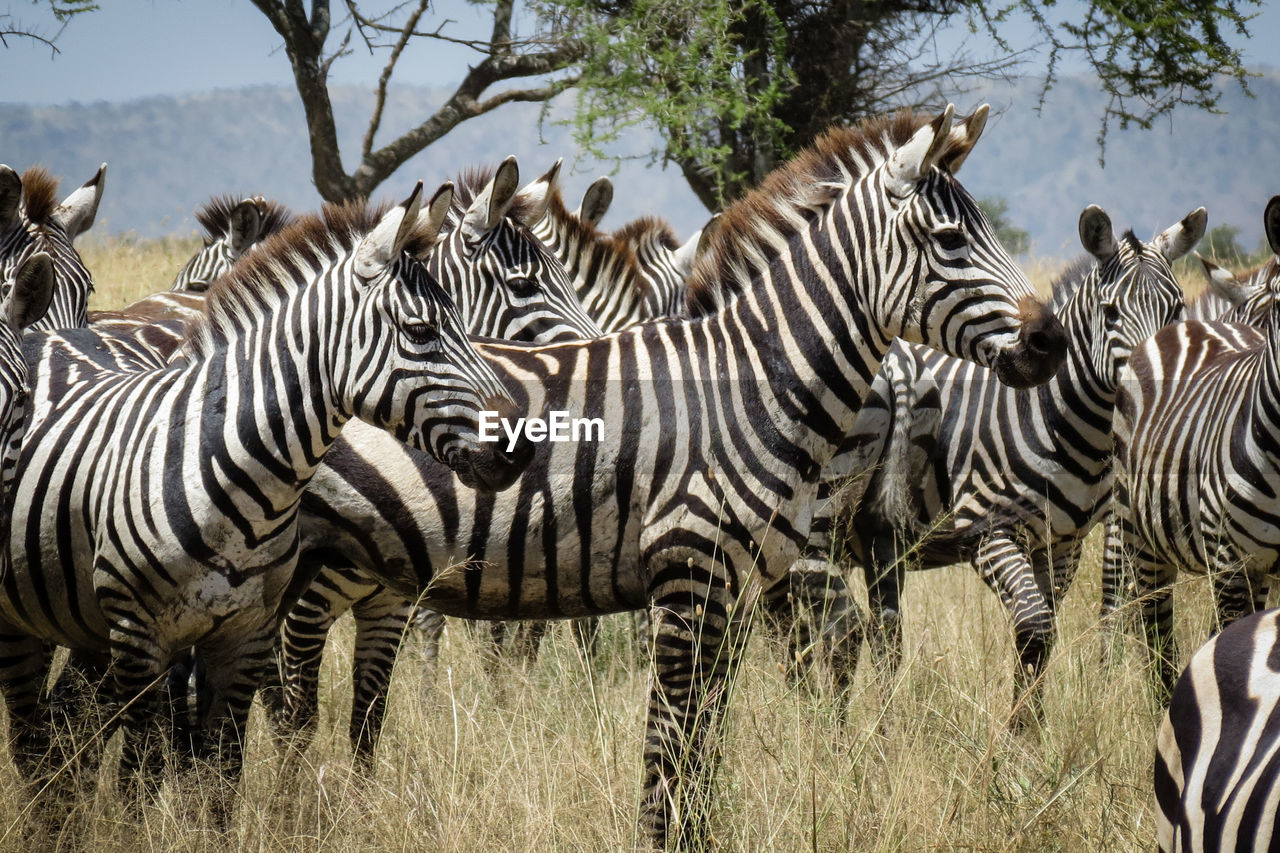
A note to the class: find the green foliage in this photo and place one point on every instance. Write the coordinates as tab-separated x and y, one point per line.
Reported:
1150	55
737	85
65	10
1015	239
1222	245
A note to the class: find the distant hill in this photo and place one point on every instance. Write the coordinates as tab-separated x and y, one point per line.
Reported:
169	154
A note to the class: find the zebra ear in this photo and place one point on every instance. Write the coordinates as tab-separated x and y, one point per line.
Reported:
1177	240
381	246
595	201
963	136
491	205
1222	282
1271	223
32	291
432	218
246	225
532	201
77	212
911	163
695	246
1096	234
10	197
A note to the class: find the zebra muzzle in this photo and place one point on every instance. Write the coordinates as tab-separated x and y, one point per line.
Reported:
1039	351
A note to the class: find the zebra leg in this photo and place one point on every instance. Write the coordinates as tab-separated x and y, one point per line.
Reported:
431	625
779	609
24	667
1005	567
381	621
76	701
1118	585
137	671
885	574
300	654
527	640
232	670
1235	593
699	628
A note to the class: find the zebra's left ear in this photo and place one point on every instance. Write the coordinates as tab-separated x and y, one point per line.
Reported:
10	198
1271	223
1096	234
530	204
430	220
32	291
695	246
491	205
245	226
1179	239
595	201
77	212
913	161
381	246
963	136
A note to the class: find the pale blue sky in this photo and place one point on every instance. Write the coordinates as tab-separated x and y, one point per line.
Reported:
135	48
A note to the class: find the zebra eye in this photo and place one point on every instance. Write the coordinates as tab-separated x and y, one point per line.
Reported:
523	286
950	239
1111	312
421	333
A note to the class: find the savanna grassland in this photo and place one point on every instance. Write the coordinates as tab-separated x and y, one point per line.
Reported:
549	758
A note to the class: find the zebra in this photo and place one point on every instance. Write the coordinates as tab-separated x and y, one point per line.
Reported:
508	286
156	509
1217	769
1196	429
1028	474
231	229
701	490
32	220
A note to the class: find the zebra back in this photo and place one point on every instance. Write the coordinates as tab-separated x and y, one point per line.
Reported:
32	220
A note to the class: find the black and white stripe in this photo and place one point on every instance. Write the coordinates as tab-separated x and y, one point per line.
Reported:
231	228
1217	766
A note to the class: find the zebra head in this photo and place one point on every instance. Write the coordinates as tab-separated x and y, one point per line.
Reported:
951	284
32	222
1131	292
231	229
412	369
506	283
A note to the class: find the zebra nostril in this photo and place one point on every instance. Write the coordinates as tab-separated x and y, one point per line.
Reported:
1040	342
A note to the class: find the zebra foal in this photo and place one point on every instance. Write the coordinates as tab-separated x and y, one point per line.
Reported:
156	509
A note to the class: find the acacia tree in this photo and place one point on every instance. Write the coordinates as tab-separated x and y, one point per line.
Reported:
63	11
502	57
735	86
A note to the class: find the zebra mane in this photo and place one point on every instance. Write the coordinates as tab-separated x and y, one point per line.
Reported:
293	253
39	194
214	215
790	197
648	229
470	183
1067	282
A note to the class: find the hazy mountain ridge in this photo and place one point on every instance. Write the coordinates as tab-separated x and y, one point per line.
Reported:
170	154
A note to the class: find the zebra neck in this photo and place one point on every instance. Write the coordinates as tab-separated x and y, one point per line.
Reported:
1079	397
1264	432
608	287
275	417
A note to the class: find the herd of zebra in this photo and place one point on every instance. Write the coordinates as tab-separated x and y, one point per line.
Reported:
844	369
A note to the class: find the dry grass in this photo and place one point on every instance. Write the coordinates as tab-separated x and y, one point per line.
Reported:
549	759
